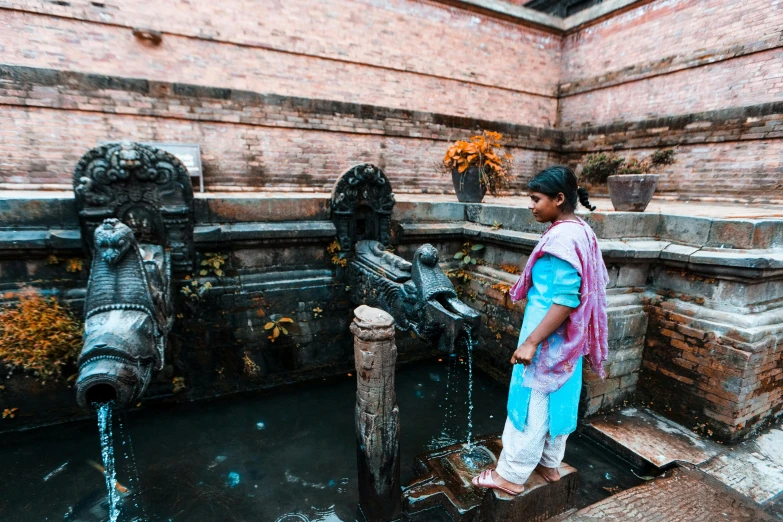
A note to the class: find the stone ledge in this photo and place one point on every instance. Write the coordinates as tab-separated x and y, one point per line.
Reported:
256	231
641	249
50	239
426	230
41	209
243	208
743	327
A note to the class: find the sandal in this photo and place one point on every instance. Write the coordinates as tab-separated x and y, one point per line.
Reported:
484	480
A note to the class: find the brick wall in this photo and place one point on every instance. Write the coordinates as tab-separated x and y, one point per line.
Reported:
745	80
686	33
393	79
718	385
113	50
703	76
235	156
426	38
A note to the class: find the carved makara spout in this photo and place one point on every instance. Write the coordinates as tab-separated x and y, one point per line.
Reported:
418	295
128	315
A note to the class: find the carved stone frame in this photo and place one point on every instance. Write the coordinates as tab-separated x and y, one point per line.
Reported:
363	186
146	188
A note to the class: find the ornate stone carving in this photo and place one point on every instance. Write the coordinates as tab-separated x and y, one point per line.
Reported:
128	313
362	202
146	188
418	295
135	205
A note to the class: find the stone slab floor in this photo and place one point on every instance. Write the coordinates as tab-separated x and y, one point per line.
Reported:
681	495
751	472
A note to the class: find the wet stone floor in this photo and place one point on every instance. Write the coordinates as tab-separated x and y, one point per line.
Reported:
281	456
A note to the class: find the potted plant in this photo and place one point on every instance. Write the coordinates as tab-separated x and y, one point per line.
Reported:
630	182
478	166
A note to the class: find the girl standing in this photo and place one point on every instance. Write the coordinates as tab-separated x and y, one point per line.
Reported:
564	282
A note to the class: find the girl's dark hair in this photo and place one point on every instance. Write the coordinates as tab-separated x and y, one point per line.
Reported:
559	178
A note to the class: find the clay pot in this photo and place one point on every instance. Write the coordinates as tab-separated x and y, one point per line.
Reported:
468	185
631	192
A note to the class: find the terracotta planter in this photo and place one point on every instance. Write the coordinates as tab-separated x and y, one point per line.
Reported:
468	186
631	192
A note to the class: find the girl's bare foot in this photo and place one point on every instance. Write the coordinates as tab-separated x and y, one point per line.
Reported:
500	481
549	474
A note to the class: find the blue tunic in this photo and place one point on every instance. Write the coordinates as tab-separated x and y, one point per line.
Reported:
554	281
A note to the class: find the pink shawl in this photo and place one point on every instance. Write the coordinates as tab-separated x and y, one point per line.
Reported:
586	327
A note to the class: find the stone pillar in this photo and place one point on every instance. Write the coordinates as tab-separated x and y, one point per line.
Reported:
377	415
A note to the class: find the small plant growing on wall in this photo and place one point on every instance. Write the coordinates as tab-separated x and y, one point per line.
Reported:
337	257
249	367
39	335
178	384
195	289
74	265
511	269
468	255
277	327
213	263
503	288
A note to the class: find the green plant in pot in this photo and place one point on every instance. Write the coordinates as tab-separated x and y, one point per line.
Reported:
630	182
478	166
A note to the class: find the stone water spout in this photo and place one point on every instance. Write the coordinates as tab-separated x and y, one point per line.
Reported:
418	295
128	313
135	209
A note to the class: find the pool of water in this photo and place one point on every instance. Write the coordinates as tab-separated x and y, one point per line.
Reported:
282	456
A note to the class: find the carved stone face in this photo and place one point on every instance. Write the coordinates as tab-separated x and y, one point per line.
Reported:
112	240
129	157
428	255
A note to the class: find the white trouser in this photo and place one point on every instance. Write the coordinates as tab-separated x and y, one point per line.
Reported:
524	450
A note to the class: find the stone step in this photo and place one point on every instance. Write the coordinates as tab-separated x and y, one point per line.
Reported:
646	438
443	489
752	469
682	494
539	502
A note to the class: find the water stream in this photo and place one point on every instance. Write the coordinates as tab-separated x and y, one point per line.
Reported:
446	436
107	455
456	396
470	342
133	468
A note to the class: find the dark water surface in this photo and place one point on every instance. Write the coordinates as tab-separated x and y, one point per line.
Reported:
285	456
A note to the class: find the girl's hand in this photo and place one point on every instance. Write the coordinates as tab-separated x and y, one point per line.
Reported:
524	353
